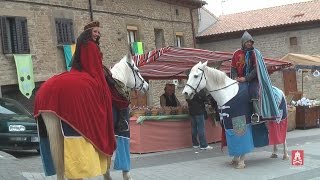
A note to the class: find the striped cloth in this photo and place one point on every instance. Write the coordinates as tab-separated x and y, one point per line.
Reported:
269	107
173	62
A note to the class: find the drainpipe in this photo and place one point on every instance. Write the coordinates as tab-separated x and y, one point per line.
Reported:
90	10
192	26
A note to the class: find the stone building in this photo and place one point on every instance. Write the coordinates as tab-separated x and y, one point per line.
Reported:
41	27
277	31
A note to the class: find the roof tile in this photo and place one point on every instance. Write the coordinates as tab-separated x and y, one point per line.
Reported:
268	17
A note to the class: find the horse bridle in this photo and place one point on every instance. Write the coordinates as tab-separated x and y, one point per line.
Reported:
135	78
204	75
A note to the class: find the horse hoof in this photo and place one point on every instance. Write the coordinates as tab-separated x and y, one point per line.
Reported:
233	162
126	176
107	176
274	156
240	166
285	157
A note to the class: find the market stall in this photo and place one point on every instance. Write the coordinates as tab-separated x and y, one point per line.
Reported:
166	132
307	111
169	131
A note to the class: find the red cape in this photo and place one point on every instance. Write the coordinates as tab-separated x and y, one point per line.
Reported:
82	100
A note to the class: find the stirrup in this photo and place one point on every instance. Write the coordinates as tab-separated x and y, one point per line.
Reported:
124	126
255	118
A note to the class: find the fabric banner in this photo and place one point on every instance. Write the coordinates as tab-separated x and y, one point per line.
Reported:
25	73
137	48
68	53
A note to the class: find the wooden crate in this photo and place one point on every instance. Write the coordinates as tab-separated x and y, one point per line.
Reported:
306	117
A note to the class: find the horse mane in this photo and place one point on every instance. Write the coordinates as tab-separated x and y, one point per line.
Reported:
119	70
216	76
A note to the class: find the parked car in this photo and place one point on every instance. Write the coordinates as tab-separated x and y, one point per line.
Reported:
18	128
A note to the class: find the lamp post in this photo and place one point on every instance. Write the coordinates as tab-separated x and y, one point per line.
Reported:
222	1
90	10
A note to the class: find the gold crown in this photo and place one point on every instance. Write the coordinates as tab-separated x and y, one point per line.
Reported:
91	25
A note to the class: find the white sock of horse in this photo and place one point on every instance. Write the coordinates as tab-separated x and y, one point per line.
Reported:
285	151
126	175
241	164
107	176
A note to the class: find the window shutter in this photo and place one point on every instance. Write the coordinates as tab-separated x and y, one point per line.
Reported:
58	31
21	35
64	30
14	37
5	35
24	35
70	30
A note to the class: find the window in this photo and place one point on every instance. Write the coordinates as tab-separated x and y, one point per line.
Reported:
64	30
179	39
177	12
132	36
159	38
14	35
293	41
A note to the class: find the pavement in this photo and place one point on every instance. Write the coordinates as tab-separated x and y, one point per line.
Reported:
194	164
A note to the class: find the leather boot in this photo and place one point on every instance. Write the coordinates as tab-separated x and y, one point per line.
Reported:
255	117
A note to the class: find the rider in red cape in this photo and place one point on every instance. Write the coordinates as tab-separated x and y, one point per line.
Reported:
81	98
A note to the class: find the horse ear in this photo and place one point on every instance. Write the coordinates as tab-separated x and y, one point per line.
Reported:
205	63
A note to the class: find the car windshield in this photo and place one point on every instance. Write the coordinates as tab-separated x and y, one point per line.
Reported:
11	107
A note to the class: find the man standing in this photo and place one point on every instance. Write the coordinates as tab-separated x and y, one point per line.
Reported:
197	111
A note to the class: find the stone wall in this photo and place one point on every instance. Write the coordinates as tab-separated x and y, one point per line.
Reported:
114	16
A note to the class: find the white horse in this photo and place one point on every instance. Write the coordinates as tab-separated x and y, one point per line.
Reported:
224	90
125	71
120	73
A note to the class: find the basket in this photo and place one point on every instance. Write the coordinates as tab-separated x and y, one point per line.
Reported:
154	112
167	112
180	111
138	113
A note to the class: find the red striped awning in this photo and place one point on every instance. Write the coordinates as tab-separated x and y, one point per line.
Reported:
173	62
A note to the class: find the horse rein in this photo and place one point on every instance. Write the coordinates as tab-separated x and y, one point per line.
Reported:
203	74
135	80
224	87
